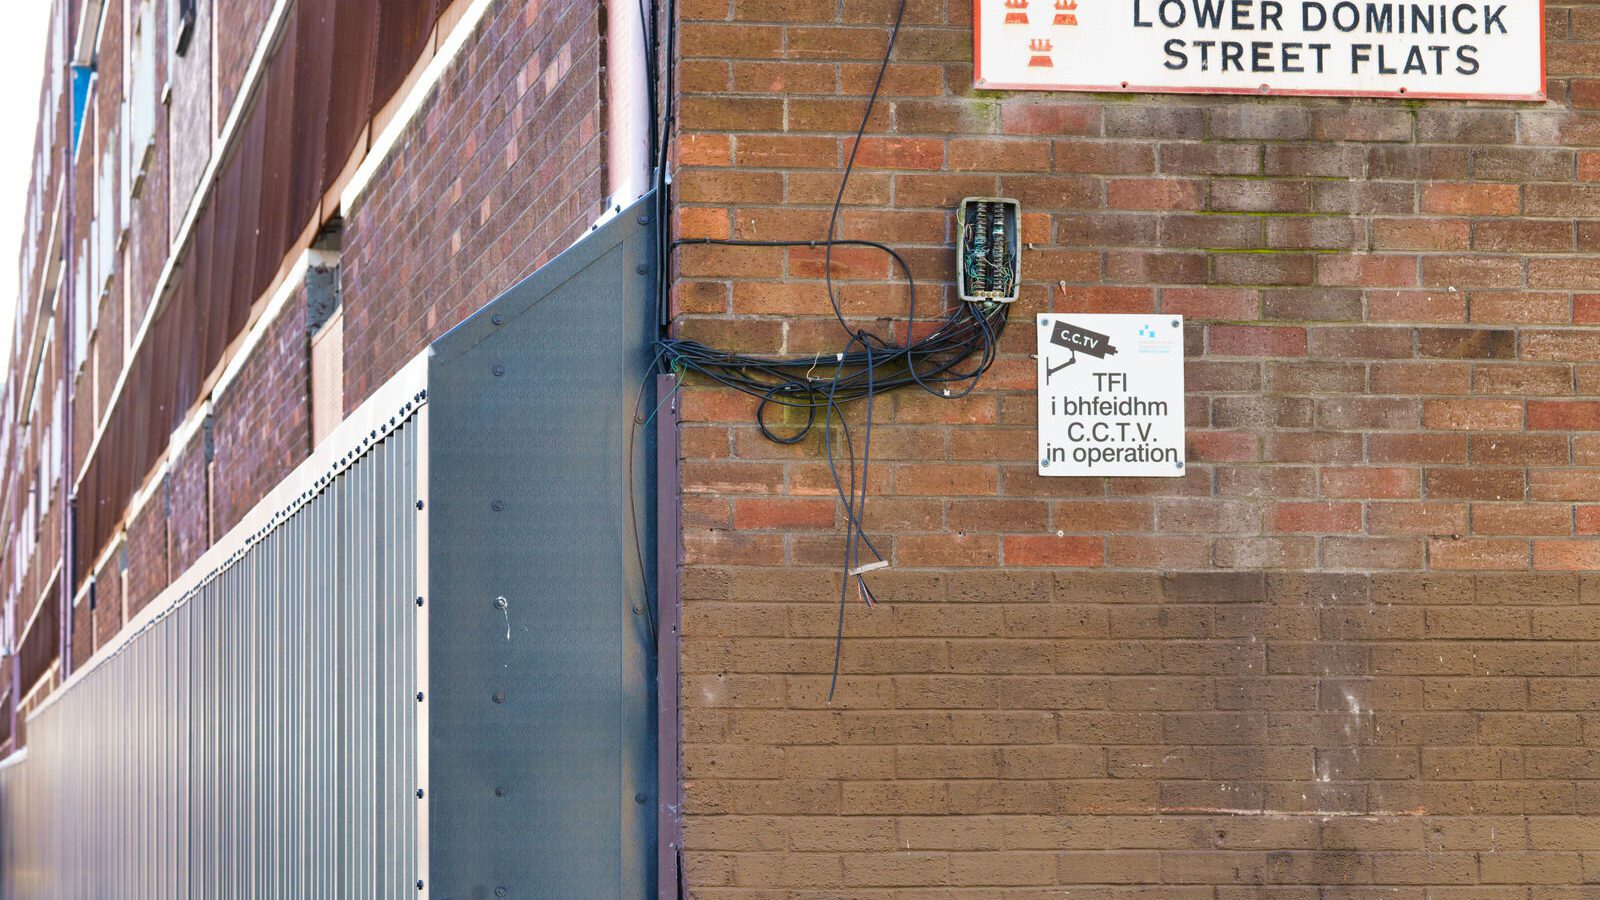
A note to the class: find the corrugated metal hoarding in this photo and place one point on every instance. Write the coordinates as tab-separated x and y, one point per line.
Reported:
259	736
387	683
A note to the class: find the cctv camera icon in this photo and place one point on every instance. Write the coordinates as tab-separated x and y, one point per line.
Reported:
1082	340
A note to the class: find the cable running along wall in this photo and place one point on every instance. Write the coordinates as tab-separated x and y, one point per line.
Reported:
957	347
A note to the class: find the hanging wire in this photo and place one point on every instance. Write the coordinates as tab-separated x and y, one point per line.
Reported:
945	362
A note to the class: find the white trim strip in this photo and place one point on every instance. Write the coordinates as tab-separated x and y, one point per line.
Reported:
17	757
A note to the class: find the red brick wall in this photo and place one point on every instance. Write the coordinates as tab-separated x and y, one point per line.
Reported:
82	634
500	171
107	602
148	552
261	423
189	517
1349	648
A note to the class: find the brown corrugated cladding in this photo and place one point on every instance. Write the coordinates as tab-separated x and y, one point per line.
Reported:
403	30
337	63
38	648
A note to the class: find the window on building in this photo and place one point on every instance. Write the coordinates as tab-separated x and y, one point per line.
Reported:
82	80
186	16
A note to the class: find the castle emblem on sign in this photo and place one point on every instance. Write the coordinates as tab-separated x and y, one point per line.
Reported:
1040	48
1016	12
1065	12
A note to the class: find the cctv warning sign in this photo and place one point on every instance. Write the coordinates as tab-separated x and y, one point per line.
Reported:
1457	50
1111	395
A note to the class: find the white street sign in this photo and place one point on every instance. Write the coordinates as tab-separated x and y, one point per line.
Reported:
1111	395
1458	50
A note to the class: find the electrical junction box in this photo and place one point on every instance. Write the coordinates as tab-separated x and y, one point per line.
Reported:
989	267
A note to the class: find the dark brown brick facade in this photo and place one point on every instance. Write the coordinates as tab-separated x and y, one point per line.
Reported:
500	171
148	552
261	423
189	506
1353	654
1278	676
108	600
437	233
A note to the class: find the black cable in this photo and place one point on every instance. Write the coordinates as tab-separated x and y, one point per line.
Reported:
666	75
867	366
650	598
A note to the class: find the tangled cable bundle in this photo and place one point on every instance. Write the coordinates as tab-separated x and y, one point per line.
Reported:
946	363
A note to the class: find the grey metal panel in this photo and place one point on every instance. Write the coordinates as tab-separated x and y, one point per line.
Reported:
198	759
543	495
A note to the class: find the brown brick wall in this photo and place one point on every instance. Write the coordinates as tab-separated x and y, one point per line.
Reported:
82	633
189	518
107	600
261	424
188	117
1349	650
499	172
148	552
239	25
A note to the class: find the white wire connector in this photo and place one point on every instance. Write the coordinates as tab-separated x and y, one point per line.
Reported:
862	570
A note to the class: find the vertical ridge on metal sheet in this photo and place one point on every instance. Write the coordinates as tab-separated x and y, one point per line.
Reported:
259	738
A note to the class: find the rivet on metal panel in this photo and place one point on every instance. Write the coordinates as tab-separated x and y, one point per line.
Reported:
419	696
637	609
419	793
499	697
419	884
644	219
500	790
419	601
499	892
498	370
497	505
497	319
640	798
501	603
642	269
419	504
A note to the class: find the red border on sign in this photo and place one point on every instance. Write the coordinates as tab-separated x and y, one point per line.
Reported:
1126	88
